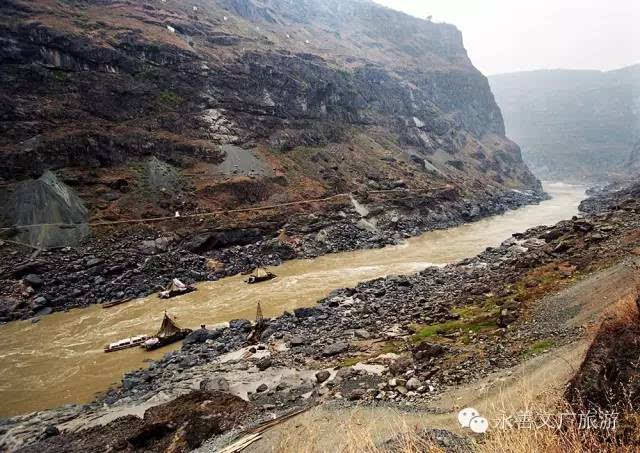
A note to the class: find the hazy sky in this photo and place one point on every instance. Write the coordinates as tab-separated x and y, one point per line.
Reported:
517	35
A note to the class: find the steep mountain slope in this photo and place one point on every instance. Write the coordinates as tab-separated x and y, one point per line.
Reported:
242	102
572	124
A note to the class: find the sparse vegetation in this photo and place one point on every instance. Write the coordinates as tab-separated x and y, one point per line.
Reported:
60	76
168	99
391	347
538	347
149	74
473	325
351	361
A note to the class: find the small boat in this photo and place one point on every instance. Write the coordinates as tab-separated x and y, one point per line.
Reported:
169	333
176	288
260	275
114	303
126	343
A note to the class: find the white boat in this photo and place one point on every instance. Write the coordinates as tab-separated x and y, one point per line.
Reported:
126	343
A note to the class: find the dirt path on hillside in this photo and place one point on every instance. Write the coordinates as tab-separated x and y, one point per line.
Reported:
503	392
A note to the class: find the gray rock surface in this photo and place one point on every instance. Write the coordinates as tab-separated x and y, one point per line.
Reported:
48	202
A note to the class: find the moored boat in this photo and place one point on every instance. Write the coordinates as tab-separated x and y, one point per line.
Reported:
126	343
176	288
115	303
169	333
260	275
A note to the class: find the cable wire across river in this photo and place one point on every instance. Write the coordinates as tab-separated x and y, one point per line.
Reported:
218	212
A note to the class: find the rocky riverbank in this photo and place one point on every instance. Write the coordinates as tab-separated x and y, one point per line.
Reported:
131	264
471	310
398	340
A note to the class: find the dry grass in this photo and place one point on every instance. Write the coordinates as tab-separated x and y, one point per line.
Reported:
356	437
353	431
359	430
569	437
624	313
570	440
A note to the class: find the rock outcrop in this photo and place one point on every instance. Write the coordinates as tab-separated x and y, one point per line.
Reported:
243	102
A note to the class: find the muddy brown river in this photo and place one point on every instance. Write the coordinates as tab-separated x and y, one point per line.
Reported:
60	360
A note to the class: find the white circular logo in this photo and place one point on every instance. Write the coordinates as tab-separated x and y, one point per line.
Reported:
465	416
479	425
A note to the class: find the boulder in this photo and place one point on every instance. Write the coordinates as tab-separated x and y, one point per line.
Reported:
306	312
356	394
268	332
413	384
215	266
425	351
362	334
33	280
552	235
202	335
264	363
50	431
41	301
222	239
400	365
156	246
44	311
215	384
335	349
240	324
322	376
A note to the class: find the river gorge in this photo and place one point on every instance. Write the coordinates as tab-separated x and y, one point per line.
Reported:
60	360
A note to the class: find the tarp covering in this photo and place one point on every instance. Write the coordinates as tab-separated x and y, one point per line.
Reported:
167	328
260	272
176	285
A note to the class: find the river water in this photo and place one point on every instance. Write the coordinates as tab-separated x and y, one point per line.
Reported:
60	360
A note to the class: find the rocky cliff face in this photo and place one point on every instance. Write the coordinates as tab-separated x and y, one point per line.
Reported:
242	102
573	124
